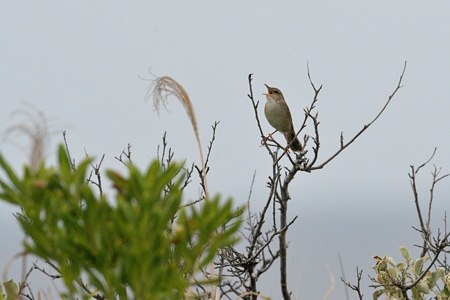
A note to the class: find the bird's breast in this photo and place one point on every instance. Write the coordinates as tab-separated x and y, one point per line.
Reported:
278	115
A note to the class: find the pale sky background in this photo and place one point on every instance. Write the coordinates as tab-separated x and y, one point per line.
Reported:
79	62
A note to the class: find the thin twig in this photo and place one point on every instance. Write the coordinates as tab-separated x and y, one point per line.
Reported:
365	127
357	287
98	174
72	161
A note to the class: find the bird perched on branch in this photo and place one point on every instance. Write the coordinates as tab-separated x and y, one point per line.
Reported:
279	116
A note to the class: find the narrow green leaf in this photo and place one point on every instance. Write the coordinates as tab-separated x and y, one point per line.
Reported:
9	172
64	162
8	194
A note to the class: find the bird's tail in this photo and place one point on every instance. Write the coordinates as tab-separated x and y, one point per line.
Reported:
295	145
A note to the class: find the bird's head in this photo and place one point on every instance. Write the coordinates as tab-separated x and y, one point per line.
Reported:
273	93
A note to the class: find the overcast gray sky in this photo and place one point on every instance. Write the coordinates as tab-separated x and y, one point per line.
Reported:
80	63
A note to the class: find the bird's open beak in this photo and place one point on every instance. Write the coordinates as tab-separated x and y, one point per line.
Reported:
269	90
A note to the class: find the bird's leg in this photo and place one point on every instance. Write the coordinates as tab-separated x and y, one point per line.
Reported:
264	139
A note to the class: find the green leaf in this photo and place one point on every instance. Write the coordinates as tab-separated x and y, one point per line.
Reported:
418	264
377	294
9	172
392	272
391	261
405	253
11	289
423	287
64	162
441	272
434	278
400	266
445	292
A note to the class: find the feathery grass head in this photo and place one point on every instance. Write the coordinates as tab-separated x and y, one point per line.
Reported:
163	87
35	127
159	90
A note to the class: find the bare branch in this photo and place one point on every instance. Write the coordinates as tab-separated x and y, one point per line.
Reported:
98	174
357	287
127	153
205	168
365	127
425	163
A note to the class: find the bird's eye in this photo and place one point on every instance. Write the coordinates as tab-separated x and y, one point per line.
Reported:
276	92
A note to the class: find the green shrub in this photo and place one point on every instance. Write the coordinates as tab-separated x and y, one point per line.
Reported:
141	244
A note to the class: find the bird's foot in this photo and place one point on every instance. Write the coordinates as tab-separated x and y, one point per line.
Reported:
266	138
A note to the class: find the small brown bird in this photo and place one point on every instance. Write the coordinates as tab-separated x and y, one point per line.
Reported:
279	116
